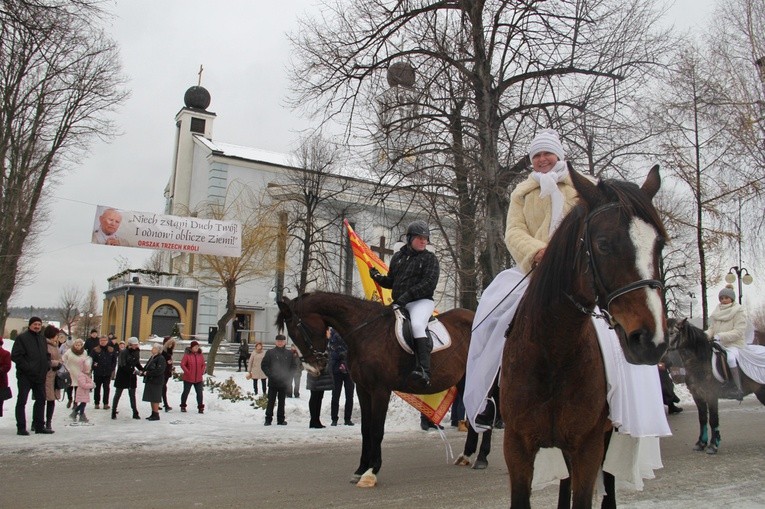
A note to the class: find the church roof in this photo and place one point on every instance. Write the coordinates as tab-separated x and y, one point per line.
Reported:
246	153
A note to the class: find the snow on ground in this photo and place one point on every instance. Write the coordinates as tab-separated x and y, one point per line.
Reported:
224	424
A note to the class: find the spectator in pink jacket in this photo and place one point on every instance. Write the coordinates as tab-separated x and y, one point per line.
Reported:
193	365
85	384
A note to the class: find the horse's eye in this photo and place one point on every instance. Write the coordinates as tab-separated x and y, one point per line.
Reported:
601	244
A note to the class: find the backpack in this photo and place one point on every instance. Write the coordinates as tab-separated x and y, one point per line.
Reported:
63	379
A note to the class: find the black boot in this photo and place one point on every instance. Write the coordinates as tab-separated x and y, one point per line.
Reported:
153	417
135	414
735	374
421	375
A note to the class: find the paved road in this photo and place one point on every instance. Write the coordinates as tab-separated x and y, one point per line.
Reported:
415	475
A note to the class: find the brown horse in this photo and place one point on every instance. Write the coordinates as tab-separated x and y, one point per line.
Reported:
377	363
696	352
606	253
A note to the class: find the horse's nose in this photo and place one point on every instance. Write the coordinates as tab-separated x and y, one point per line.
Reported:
642	347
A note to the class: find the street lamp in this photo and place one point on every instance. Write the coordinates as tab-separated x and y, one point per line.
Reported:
692	296
735	273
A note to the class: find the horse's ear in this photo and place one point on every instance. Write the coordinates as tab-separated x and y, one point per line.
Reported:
683	322
586	189
652	182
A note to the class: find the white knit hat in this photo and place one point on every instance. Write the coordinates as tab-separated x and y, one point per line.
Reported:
547	140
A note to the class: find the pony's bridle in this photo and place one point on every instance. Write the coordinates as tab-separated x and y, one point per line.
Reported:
654	284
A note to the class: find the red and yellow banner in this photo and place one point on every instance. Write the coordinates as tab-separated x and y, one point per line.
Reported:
434	406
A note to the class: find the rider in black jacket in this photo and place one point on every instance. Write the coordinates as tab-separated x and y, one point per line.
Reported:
412	277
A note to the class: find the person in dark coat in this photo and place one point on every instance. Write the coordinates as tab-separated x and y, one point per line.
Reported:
128	362
278	365
92	341
412	278
104	363
167	353
30	353
668	388
244	355
341	377
154	380
5	367
297	374
317	385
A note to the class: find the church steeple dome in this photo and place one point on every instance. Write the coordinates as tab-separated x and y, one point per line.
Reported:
197	97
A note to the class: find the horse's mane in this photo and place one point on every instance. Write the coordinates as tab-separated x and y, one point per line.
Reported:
697	341
339	302
563	256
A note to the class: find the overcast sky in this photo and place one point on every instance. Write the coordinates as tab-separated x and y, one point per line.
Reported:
243	47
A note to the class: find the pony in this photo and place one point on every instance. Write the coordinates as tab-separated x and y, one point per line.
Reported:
695	350
606	252
377	363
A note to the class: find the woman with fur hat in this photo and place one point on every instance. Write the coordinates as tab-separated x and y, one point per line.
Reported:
537	206
52	393
128	363
727	326
193	365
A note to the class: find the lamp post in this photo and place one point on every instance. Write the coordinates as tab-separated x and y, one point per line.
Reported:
692	296
742	275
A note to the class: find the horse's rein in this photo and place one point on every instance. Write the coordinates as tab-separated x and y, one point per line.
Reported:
503	299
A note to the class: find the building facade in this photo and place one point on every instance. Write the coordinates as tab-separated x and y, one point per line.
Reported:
206	170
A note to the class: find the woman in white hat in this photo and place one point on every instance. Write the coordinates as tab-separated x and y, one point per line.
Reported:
537	206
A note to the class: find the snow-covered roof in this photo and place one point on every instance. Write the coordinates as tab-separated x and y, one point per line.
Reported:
246	153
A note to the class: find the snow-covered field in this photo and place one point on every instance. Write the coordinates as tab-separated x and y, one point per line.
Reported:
224	424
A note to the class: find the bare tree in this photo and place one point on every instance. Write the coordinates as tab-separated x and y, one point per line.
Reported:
259	233
59	78
89	317
69	303
484	67
700	154
315	201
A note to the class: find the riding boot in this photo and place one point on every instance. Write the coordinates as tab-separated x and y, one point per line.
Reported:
735	374
422	373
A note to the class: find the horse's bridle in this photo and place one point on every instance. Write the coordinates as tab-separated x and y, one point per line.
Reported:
598	280
307	333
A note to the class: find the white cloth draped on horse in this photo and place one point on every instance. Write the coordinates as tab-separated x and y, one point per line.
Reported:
634	392
751	360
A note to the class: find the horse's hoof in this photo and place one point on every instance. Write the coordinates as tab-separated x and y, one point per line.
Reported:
462	461
368	480
480	464
699	446
711	449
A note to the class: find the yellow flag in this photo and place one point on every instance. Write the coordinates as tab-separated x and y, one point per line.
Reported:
434	406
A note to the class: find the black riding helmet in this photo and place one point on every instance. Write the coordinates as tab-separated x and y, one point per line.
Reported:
415	228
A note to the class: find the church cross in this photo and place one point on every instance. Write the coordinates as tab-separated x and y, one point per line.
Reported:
381	250
199	82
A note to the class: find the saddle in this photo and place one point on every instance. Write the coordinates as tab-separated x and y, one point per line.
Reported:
720	367
721	372
435	329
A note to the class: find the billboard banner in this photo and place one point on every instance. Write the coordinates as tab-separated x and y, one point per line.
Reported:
147	230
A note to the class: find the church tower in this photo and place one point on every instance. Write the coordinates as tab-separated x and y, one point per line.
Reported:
192	120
